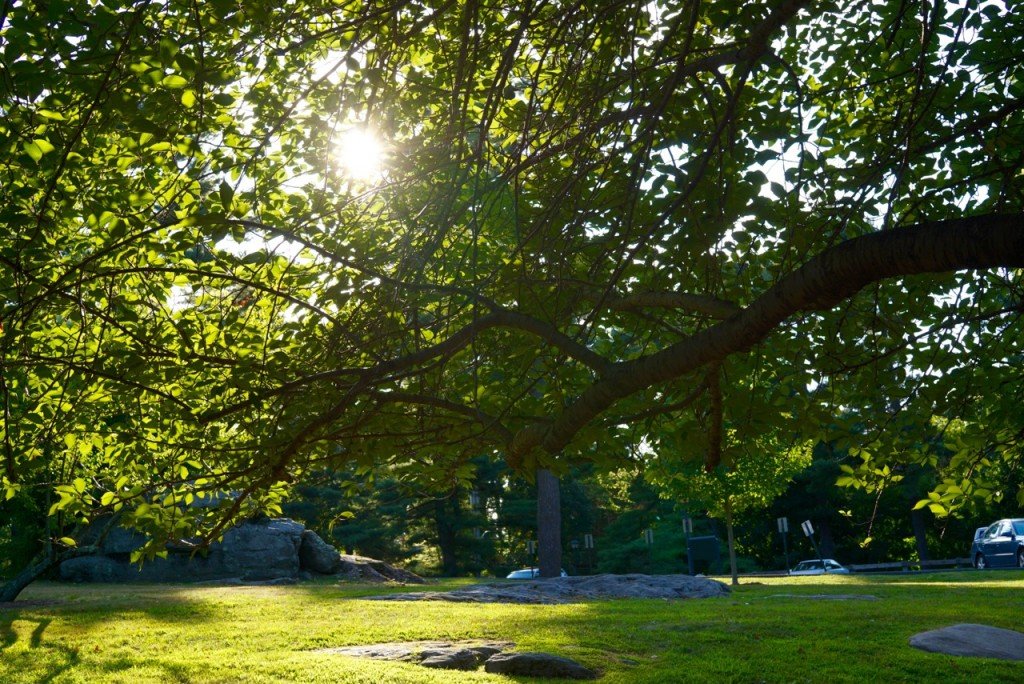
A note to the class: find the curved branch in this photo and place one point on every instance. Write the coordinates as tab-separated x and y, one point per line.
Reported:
836	274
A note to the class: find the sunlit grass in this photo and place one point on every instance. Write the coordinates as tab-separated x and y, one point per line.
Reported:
763	632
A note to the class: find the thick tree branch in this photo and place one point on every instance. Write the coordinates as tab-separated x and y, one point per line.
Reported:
980	242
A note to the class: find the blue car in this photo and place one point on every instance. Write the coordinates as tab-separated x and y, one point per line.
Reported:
1000	545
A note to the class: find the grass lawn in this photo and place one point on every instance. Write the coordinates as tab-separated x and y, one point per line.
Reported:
763	632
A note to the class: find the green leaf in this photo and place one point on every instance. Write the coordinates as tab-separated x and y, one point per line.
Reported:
68	541
227	194
37	148
174	81
188	97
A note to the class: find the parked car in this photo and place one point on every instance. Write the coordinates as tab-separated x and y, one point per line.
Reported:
1000	545
528	573
816	567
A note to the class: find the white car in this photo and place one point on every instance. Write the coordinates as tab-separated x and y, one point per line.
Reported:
528	573
815	567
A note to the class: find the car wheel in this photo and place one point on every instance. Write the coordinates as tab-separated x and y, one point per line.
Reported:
979	562
1020	558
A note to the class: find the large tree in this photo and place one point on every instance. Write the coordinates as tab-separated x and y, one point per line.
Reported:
595	222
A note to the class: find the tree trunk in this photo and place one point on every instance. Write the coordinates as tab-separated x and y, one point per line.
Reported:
732	542
446	538
917	521
14	586
549	524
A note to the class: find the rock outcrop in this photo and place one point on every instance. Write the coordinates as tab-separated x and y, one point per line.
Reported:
264	551
316	555
570	589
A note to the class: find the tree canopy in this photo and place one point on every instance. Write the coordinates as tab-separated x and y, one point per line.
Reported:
596	226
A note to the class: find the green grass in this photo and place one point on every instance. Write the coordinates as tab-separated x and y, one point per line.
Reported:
181	633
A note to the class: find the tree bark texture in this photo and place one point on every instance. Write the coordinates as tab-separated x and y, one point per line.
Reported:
549	524
732	542
444	517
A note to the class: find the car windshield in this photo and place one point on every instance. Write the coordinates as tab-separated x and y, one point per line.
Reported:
1018	527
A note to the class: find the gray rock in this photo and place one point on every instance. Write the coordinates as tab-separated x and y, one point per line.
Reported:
979	641
316	555
263	550
365	569
537	665
417	651
485	652
570	589
271	550
92	569
454	659
251	551
119	540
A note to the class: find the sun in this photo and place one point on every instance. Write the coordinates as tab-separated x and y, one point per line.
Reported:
361	155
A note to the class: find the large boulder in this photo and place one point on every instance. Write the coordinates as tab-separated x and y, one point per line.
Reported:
95	569
269	550
316	555
263	550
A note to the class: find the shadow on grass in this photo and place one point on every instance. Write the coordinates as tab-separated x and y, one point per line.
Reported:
58	658
26	646
782	639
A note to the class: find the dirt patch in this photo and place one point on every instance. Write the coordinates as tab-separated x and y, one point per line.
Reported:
15	605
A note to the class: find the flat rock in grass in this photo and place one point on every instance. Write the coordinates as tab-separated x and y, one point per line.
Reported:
573	589
980	641
828	597
537	665
419	651
455	659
